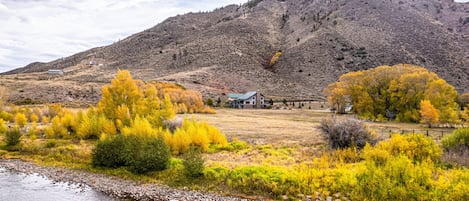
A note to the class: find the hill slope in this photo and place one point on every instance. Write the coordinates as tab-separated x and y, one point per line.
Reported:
228	50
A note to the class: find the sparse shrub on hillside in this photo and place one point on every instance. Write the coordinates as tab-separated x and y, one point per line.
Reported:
209	102
342	133
252	3
274	58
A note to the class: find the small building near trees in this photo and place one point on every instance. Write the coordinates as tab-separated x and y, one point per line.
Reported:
249	100
55	72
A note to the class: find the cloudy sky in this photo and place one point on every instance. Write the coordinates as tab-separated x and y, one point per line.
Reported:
44	30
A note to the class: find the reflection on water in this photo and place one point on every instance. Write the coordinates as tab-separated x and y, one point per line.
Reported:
22	187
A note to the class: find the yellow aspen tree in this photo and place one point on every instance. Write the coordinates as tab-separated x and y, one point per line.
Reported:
123	91
429	114
336	96
167	109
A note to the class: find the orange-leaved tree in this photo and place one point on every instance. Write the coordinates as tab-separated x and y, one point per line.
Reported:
429	114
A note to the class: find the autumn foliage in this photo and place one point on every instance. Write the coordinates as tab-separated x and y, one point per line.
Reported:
395	92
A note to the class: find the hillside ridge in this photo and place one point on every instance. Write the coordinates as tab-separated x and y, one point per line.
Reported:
229	49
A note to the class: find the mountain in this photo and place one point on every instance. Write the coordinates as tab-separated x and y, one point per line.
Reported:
229	49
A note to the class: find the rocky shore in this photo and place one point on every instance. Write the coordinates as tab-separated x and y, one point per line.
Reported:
112	186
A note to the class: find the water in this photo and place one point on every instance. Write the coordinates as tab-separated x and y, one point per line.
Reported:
22	187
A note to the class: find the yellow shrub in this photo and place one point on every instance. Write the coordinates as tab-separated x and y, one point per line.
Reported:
33	131
69	123
34	118
49	132
415	146
54	110
20	119
3	126
180	142
140	126
45	119
378	156
6	116
214	134
59	130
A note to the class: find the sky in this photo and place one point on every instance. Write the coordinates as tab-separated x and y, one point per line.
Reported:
45	30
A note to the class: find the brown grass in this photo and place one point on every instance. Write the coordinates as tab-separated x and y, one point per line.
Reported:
276	127
295	126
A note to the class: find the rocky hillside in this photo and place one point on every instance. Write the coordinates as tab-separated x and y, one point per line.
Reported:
229	49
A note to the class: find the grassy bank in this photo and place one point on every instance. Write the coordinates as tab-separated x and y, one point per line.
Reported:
281	154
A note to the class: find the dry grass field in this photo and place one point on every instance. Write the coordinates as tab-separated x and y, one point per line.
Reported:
294	127
276	127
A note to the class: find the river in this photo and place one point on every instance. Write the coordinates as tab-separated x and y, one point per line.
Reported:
33	187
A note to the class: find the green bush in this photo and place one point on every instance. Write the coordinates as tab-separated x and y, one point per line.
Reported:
140	154
343	133
51	143
274	181
193	163
109	152
144	154
458	140
13	136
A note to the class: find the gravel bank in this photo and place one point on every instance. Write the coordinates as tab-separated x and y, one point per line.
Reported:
115	187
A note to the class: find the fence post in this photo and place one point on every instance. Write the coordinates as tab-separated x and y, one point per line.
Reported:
427	133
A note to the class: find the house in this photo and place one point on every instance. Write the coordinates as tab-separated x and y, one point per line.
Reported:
55	72
249	100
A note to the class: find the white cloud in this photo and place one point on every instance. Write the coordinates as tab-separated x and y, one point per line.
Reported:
44	30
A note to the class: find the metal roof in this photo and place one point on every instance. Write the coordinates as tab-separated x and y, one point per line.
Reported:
235	96
247	95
